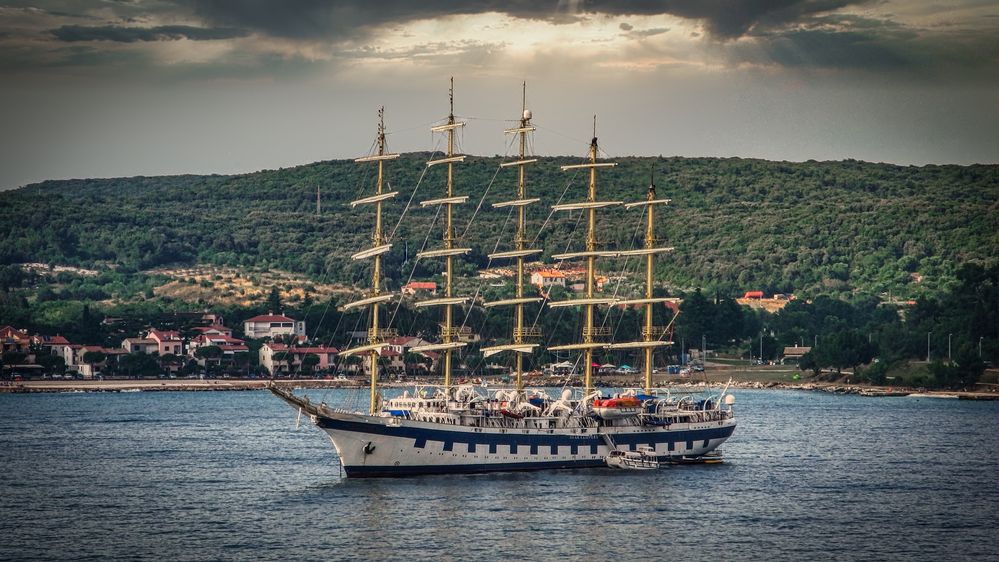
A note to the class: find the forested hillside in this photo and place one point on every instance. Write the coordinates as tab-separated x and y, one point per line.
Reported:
810	228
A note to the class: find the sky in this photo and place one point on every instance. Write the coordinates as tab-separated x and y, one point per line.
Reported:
108	88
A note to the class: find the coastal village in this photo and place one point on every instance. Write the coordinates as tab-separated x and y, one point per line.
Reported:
201	345
274	345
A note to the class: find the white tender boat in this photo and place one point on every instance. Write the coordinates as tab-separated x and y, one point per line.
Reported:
642	459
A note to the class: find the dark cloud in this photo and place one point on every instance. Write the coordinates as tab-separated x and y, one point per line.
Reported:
874	46
789	33
72	33
724	19
836	49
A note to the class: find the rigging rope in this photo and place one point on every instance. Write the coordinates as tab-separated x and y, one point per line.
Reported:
423	174
416	262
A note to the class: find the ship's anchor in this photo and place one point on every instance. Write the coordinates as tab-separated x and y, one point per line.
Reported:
369	448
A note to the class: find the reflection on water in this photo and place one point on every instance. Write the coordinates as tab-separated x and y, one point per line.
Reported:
226	476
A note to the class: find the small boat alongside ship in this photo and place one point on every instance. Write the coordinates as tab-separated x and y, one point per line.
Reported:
644	458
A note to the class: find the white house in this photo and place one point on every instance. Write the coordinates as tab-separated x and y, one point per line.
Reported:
548	277
145	345
270	325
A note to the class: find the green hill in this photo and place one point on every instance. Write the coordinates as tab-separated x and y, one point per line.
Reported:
737	224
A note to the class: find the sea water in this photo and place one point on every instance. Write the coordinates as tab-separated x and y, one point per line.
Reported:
227	476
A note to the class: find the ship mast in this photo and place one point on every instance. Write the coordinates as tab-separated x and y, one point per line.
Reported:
650	334
590	333
520	346
375	296
650	239
448	332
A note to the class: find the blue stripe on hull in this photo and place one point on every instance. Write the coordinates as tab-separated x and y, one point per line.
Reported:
631	439
382	471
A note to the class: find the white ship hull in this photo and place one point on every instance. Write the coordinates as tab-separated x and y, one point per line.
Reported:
389	446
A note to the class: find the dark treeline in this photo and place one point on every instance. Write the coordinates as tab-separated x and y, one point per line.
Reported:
957	331
864	334
833	228
840	235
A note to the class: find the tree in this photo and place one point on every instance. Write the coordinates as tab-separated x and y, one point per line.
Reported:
770	350
963	372
138	364
52	364
208	352
93	357
416	362
282	358
240	362
808	363
274	300
353	361
170	359
309	362
696	317
10	358
846	348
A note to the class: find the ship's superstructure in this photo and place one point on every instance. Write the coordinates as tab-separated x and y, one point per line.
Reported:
452	428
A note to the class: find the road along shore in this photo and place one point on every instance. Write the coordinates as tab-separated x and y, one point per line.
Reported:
706	380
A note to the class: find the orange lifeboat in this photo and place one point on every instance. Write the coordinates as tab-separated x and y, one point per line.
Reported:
621	407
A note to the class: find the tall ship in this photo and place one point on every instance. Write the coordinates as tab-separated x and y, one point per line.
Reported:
463	428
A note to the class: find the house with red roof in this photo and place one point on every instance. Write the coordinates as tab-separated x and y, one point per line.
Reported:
271	325
393	360
90	369
402	344
49	341
413	287
228	344
295	356
167	341
230	348
214	329
13	339
547	277
140	345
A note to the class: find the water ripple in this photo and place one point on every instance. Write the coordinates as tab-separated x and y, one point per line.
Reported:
225	476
